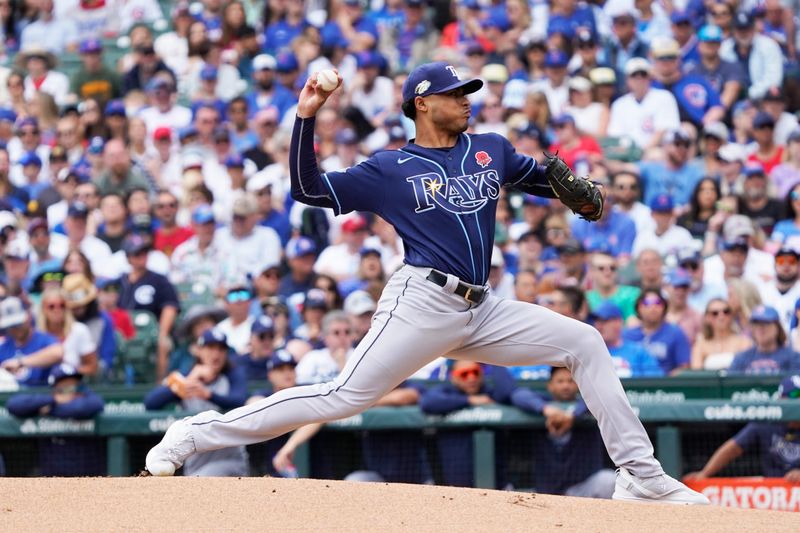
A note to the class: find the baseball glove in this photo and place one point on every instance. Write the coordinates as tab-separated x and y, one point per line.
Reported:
579	194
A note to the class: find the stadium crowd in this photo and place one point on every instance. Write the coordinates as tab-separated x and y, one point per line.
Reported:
144	169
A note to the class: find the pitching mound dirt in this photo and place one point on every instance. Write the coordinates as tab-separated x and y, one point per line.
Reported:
264	504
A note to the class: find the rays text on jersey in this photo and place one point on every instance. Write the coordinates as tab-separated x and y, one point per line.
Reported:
460	195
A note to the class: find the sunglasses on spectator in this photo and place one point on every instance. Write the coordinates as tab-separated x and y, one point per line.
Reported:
717	312
785	260
238	296
466	373
690	265
651	301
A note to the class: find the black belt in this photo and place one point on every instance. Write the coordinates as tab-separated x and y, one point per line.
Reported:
469	293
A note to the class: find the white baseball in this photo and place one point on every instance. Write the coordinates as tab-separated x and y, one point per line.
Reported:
327	80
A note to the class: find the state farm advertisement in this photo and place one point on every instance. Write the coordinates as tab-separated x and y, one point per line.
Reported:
750	492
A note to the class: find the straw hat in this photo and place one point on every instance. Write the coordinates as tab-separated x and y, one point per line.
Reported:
78	290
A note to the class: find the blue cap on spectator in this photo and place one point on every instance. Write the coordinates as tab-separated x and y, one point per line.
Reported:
737	242
585	36
555	59
559	25
158	82
209	73
78	210
530	199
30	158
763	120
679	16
679	278
472	48
96	145
186	132
789	387
686	255
764	313
435	78
532	131
90	46
281	358
234	160
710	33
346	136
300	246
286	62
28	121
741	106
662	204
115	108
103	283
607	310
261	325
62	371
496	19
7	115
754	169
203	214
562	119
315	299
213	337
134	244
367	250
743	21
471	4
369	59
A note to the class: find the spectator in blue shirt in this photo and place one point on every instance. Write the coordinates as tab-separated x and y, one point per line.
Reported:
301	253
631	360
68	398
26	352
675	176
255	362
266	91
769	355
352	26
568	460
278	35
568	16
615	229
778	444
666	342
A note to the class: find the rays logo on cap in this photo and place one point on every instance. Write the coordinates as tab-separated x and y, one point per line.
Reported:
422	86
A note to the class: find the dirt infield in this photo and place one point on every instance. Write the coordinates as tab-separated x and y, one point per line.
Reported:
263	504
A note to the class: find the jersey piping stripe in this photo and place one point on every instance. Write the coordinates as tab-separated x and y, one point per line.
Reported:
458	217
299	175
533	165
477	222
245	415
330	186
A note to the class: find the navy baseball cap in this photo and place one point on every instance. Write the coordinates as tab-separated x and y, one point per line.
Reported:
7	115
30	158
234	160
562	119
63	371
789	387
261	325
743	21
315	299
555	59
367	250
203	214
286	62
764	313
539	201
213	337
607	310
115	107
754	169
209	73
679	278
662	204
763	120
436	78
186	132
738	242
27	121
687	255
346	136
134	244
300	246
78	210
90	46
680	16
281	358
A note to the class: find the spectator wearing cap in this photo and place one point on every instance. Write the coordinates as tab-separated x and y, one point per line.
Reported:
26	352
360	307
554	85
55	34
165	164
45	248
625	42
17	197
116	120
256	361
250	247
787	174
28	138
776	443
301	253
279	34
605	287
145	290
238	303
264	125
731	163
755	202
534	212
370	272
213	383
95	80
16	266
677	285
121	175
787	232
146	68
347	153
414	34
266	91
327	361
271	211
769	355
591	117
570	17
726	77
683	30
288	70
572	145
313	306
666	237
200	259
767	153
738	257
82	299
501	281
774	104
243	138
341	261
173	46
169	235
784	290
630	358
626	192
645	112
31	166
758	54
666	342
698	101
69	398
162	110
676	175
96	251
615	229
78	345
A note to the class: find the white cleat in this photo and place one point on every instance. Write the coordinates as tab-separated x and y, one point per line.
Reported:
169	454
658	489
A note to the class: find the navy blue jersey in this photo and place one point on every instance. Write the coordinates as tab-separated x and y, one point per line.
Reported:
441	201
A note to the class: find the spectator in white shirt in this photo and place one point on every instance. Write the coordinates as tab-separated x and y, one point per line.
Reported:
96	251
237	326
250	247
58	35
666	237
340	261
39	64
163	112
371	93
320	366
554	86
645	113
